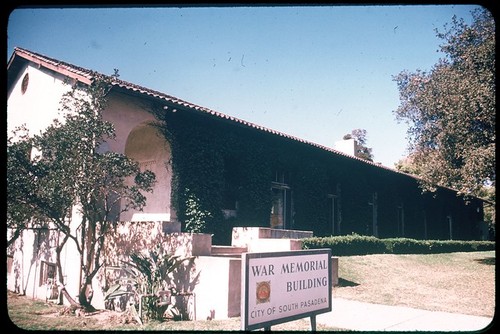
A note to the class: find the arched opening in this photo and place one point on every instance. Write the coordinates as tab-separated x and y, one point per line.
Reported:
148	147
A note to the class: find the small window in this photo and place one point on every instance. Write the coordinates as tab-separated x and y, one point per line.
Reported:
47	273
24	85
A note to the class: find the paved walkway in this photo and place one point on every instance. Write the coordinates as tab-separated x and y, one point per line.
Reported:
359	316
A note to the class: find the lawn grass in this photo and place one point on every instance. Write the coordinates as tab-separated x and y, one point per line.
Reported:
454	282
450	282
29	314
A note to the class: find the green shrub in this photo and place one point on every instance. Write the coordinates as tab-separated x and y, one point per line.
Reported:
355	244
407	246
447	246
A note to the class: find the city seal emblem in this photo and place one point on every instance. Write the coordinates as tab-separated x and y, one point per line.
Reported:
263	292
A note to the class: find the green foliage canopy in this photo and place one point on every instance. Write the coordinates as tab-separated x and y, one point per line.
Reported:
67	166
451	109
363	151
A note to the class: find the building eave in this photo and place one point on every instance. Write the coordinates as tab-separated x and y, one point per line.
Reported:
86	76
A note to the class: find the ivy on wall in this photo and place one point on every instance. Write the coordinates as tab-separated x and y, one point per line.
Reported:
311	187
214	165
219	166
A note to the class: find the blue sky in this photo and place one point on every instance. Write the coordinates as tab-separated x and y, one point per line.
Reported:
315	72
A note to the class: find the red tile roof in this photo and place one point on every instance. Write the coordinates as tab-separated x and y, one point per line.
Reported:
86	76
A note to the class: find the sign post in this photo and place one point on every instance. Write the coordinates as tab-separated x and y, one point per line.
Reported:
279	287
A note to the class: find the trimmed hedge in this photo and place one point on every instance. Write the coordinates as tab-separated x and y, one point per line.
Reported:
347	245
355	244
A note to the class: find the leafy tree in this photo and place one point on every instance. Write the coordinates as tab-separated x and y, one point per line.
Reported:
34	195
408	165
71	171
450	110
362	150
22	193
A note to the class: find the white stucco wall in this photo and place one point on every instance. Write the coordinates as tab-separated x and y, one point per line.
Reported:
37	108
218	292
39	105
140	141
32	248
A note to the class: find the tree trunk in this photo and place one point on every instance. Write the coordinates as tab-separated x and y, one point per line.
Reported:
85	296
62	290
73	303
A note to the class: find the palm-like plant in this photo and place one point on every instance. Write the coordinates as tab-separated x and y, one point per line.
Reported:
147	275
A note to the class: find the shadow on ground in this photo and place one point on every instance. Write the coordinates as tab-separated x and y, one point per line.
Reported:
344	283
487	260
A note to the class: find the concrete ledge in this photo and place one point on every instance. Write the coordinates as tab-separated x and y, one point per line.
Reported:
274	245
228	250
244	236
283	234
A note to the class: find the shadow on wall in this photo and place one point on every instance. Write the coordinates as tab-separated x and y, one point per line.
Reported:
44	241
140	260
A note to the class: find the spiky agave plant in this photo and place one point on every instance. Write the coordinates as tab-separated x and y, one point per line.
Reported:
148	274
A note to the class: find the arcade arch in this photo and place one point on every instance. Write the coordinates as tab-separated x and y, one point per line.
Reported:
153	152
